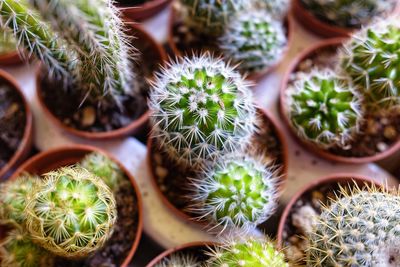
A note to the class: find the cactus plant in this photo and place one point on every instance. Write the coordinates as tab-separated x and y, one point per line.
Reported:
179	260
276	8
7	42
324	108
201	107
372	59
349	13
239	191
248	253
72	213
255	40
362	228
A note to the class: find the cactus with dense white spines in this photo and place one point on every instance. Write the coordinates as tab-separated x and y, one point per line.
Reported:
201	107
179	260
372	59
324	108
254	40
362	228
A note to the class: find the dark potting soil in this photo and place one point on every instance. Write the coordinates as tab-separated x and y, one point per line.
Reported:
118	246
12	122
197	253
132	2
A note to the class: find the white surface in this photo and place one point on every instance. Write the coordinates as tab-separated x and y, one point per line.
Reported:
159	222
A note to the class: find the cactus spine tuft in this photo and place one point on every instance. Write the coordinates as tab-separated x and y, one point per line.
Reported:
179	260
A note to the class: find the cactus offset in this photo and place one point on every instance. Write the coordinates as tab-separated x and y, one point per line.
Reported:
360	229
201	108
71	213
179	260
254	40
372	59
324	108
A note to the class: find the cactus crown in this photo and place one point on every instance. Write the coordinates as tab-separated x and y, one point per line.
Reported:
200	108
248	253
349	13
255	40
360	229
276	8
324	108
239	191
179	260
372	59
72	212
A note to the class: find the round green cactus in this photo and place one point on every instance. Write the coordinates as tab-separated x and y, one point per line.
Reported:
201	108
276	8
324	108
360	229
14	195
372	59
349	13
72	213
179	260
249	253
239	191
254	40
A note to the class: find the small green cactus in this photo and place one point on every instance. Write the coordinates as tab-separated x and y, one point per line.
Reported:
72	213
372	59
7	42
248	253
239	191
210	16
349	13
360	229
254	40
201	108
324	108
179	260
278	9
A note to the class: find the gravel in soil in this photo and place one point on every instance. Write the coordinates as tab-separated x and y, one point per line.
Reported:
12	122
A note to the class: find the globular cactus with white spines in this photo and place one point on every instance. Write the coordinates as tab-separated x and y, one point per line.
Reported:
238	192
179	260
362	228
211	16
201	108
72	213
372	59
253	40
276	8
349	13
324	108
250	252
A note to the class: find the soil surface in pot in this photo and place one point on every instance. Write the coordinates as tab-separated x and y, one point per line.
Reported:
174	183
67	105
12	122
197	253
378	132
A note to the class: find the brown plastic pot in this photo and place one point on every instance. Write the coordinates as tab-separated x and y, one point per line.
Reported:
178	249
319	27
10	59
308	53
25	145
63	156
340	178
135	126
144	11
179	213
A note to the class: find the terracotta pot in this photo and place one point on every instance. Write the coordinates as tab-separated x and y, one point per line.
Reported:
144	11
308	53
178	249
63	156
25	145
135	126
10	59
181	214
334	179
319	27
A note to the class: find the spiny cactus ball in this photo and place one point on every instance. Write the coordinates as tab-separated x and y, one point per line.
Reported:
254	40
249	253
372	59
239	191
14	196
349	13
72	213
324	108
200	108
360	229
276	8
210	16
179	260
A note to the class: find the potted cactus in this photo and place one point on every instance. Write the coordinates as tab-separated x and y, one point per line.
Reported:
8	54
15	125
86	213
139	10
339	18
87	54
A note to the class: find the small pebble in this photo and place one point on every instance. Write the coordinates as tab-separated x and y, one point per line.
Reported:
161	172
390	132
382	146
88	116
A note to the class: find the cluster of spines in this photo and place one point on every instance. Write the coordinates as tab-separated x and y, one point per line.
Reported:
179	260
